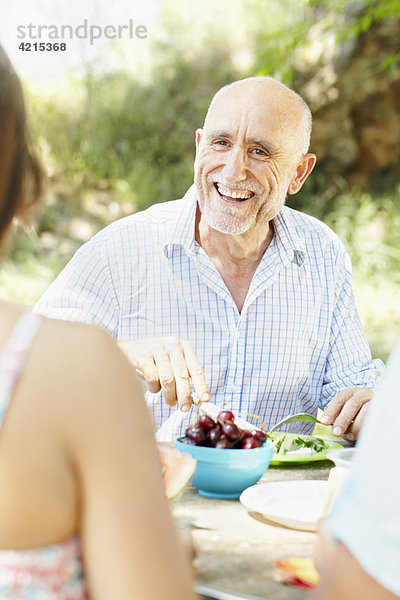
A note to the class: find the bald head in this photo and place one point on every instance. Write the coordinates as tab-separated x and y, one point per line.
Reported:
251	152
269	95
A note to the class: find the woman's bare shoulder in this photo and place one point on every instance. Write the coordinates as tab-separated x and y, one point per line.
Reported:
55	335
73	329
77	376
73	360
79	343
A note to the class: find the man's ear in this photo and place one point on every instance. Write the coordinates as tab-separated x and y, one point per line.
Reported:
199	135
303	170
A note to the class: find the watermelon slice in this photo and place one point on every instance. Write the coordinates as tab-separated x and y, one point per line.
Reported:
177	468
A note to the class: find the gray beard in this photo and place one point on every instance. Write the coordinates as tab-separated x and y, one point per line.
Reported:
223	225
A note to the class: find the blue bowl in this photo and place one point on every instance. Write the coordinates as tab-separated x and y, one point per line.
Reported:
222	473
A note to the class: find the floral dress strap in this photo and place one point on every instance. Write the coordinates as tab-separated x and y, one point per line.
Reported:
12	359
53	572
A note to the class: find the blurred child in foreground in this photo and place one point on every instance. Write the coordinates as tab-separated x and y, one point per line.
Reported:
83	512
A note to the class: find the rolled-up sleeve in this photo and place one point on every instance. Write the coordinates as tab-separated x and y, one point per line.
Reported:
348	361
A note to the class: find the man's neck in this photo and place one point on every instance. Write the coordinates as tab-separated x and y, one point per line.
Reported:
242	250
236	257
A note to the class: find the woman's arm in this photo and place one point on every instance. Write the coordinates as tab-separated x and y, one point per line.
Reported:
131	548
343	578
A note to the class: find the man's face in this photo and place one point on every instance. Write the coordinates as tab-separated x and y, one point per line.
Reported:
245	161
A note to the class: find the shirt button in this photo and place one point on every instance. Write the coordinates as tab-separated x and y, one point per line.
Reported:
233	388
237	335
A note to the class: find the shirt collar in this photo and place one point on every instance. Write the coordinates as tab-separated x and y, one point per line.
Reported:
288	241
181	227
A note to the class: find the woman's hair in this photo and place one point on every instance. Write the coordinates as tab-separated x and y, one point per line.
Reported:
21	175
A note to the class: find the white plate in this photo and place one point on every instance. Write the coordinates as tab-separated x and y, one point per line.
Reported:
297	504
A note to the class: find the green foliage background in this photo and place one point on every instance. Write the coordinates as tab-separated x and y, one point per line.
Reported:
115	142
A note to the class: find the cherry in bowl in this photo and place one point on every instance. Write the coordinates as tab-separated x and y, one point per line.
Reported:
229	459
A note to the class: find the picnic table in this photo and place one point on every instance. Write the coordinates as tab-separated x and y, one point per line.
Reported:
237	549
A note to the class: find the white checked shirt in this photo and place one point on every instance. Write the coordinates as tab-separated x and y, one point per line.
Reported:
297	342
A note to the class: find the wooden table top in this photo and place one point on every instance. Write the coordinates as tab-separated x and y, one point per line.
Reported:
236	549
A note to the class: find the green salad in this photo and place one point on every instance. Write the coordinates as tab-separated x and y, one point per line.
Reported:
299	444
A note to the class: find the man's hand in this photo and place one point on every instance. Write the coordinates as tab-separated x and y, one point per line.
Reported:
169	364
346	412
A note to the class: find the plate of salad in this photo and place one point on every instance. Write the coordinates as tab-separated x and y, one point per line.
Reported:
300	448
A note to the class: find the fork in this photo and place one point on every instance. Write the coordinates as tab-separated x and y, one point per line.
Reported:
295	417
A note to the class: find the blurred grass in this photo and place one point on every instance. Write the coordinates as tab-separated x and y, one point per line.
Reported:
370	229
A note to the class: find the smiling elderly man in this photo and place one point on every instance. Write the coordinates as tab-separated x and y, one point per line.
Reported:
227	290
